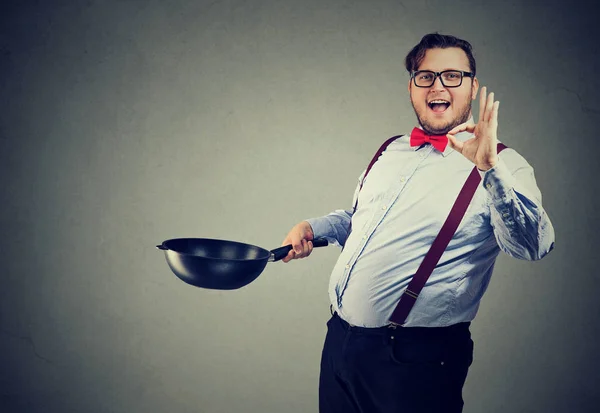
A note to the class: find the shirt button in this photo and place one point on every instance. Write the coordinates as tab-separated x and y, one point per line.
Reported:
402	179
383	207
489	186
347	266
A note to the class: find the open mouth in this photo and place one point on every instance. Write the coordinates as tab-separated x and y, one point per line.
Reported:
439	105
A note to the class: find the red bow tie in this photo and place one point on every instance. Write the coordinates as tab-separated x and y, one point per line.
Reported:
418	137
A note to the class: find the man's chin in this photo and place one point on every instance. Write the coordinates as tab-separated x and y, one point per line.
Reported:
442	127
437	129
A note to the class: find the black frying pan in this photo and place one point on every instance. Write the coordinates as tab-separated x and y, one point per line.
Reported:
219	264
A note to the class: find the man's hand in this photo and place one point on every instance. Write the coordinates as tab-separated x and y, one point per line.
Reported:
481	149
300	236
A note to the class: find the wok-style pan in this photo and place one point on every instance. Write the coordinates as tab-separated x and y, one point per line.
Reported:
220	264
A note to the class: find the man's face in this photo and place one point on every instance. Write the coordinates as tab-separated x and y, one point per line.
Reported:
438	119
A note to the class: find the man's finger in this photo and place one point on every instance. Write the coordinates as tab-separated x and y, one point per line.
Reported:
455	143
494	120
304	248
296	243
291	255
469	127
489	106
458	128
482	101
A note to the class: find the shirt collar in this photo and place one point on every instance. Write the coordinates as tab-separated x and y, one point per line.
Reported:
462	136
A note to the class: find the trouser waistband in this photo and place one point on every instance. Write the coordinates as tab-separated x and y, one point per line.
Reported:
408	331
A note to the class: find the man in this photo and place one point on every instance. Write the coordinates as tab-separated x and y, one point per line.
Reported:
369	364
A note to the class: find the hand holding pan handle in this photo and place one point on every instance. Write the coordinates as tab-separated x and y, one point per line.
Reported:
282	252
298	235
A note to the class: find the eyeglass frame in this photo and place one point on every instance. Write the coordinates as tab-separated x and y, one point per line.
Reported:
437	75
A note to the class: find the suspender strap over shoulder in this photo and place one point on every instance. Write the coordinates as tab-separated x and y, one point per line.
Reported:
377	155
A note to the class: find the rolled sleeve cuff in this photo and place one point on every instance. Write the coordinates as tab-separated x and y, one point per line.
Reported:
321	227
498	181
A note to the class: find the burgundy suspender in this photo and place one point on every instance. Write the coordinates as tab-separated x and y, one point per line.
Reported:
410	295
379	152
377	155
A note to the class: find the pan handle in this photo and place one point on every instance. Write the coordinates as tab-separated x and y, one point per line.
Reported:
281	252
161	247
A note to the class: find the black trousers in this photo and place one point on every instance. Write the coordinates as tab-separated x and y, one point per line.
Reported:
399	370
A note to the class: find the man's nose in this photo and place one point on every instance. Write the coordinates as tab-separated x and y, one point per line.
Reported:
437	84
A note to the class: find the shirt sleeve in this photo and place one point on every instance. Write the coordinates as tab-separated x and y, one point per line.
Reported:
335	226
520	223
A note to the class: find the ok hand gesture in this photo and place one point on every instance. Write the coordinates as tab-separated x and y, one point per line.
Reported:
481	149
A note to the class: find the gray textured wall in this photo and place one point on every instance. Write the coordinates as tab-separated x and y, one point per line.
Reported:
124	123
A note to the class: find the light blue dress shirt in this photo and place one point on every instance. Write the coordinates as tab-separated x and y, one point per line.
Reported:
402	206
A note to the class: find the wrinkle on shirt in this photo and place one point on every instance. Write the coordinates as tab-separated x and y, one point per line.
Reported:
404	201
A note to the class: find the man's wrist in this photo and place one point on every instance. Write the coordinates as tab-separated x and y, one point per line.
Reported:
487	166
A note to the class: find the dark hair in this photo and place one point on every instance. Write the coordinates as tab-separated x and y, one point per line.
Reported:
436	40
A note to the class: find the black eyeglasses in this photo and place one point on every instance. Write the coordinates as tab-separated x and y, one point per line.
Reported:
449	78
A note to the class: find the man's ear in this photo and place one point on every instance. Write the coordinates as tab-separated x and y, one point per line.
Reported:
474	88
409	85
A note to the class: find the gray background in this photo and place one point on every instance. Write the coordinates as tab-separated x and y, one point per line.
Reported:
125	123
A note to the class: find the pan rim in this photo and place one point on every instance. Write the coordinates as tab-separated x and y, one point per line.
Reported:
263	250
